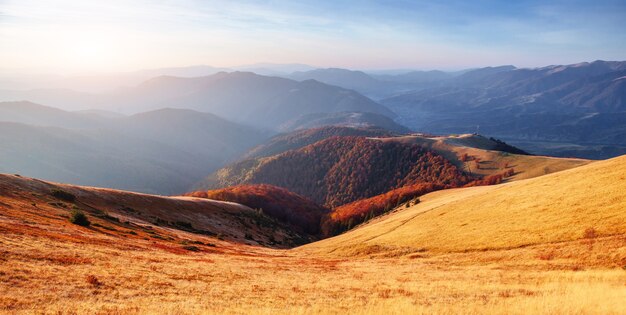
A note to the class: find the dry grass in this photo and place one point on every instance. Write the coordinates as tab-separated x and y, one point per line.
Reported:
107	280
565	206
50	266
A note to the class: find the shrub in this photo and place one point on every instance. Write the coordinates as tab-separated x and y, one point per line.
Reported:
192	248
590	233
63	195
93	280
184	225
79	218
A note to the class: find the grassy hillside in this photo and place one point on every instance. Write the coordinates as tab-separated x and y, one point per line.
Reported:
134	266
34	205
585	202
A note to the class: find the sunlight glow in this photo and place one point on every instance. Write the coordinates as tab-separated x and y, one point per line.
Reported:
90	53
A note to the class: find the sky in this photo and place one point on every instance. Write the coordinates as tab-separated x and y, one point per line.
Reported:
64	36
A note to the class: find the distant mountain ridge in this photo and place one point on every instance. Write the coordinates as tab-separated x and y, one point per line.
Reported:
301	138
164	151
242	97
344	119
566	104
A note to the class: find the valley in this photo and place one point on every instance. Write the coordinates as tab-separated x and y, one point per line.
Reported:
465	252
338	211
312	157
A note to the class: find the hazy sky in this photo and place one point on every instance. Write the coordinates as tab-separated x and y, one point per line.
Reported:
117	35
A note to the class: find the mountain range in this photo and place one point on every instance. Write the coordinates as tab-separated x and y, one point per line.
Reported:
564	110
558	234
318	191
164	151
242	97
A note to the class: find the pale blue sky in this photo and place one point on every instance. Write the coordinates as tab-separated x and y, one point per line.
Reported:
118	35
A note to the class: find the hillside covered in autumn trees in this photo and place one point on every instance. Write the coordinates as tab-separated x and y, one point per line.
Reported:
340	170
349	215
301	213
358	176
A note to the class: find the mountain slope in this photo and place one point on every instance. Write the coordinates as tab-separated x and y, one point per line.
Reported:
193	132
473	154
339	170
585	202
99	158
121	215
298	212
372	85
34	114
346	119
120	267
238	96
569	104
163	151
481	156
301	138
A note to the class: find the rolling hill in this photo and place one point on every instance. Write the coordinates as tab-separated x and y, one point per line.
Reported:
476	156
481	156
339	170
582	203
561	238
38	115
99	158
134	216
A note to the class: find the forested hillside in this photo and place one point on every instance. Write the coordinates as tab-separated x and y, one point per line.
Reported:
300	213
339	170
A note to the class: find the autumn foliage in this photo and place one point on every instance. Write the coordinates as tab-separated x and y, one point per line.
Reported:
358	177
492	179
340	170
347	216
276	202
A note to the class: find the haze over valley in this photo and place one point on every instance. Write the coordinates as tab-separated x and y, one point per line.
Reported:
312	157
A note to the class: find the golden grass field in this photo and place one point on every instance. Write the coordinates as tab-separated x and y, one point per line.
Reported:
554	244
